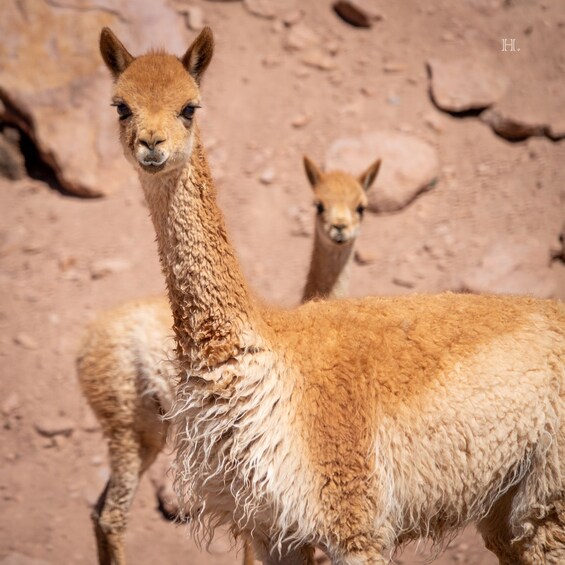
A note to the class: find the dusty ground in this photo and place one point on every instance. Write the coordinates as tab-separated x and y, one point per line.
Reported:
490	222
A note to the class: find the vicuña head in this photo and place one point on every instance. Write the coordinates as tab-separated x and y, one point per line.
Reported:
156	96
340	200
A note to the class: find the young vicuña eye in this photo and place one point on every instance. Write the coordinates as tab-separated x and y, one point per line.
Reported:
188	111
360	209
123	110
319	208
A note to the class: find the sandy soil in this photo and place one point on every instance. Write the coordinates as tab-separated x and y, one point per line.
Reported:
495	204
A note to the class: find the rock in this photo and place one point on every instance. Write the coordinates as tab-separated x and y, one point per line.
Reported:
300	120
267	176
409	166
12	163
557	252
466	83
90	424
513	129
270	61
262	8
434	122
520	114
332	47
512	266
301	37
404	283
194	18
54	108
26	341
104	267
391	67
292	18
318	59
355	13
363	257
55	426
11	404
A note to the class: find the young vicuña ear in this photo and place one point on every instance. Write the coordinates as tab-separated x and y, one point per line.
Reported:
313	173
369	176
115	55
199	54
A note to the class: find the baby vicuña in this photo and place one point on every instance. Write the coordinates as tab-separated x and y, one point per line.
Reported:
356	425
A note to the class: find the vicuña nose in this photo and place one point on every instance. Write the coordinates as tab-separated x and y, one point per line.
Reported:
151	141
339	227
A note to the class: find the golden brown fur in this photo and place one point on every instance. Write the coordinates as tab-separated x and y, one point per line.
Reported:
355	425
126	363
126	366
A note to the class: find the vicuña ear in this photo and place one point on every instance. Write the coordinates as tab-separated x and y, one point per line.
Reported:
199	54
115	55
313	172
369	176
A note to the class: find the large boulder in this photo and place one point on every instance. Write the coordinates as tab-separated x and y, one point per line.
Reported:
466	83
520	114
55	89
512	266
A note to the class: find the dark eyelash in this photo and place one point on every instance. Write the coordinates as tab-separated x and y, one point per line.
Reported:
123	109
188	111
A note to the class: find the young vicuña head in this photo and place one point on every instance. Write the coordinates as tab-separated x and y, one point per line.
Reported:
340	200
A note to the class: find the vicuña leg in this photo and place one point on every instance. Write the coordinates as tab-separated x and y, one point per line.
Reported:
544	542
129	458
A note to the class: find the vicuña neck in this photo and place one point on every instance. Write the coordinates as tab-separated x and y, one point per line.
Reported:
329	270
210	301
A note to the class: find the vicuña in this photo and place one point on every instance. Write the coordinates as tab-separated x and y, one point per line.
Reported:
356	425
126	367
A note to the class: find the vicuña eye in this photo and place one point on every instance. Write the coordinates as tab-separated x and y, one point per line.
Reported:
319	208
123	110
360	209
188	111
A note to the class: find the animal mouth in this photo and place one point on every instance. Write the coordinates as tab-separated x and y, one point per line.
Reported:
339	238
152	166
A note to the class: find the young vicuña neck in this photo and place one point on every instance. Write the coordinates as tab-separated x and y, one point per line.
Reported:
210	300
328	276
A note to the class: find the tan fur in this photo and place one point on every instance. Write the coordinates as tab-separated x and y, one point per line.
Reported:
340	200
126	370
357	424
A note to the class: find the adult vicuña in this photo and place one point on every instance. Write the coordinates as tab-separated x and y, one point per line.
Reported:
125	363
353	424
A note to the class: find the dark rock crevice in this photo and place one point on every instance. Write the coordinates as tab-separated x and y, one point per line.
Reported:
39	164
